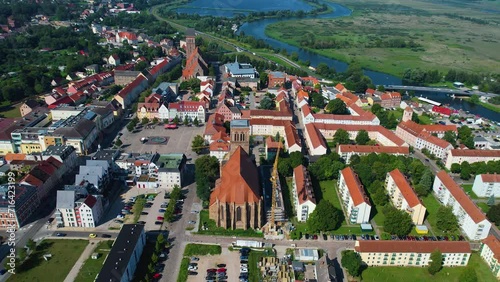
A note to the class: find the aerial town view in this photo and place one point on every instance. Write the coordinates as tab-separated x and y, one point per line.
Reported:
249	141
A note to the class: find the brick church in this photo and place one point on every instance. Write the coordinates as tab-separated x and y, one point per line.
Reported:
195	64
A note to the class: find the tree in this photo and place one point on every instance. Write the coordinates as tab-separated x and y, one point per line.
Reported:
198	144
144	120
447	221
469	142
474	99
464	132
267	103
465	172
455	168
186	121
337	107
426	180
494	214
196	122
397	222
341	137
175	120
379	197
296	159
263	79
295	235
362	138
436	262
206	172
318	100
491	200
421	190
284	167
21	253
154	258
325	217
31	244
118	142
351	261
130	127
377	108
155	120
451	137
468	275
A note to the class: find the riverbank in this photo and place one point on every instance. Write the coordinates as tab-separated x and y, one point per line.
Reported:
435	44
491	107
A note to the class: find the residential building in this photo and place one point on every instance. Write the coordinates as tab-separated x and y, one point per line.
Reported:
44	176
16	213
80	134
390	100
236	202
347	151
412	253
214	124
171	170
187	109
122	260
276	79
114	60
403	197
471	219
89	211
96	172
124	77
490	252
240	70
486	185
409	131
303	193
353	197
436	146
272	146
220	146
131	92
28	106
315	141
382	135
63	153
458	156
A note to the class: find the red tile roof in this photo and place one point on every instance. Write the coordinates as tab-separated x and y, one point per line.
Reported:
494	245
370	91
270	143
357	127
356	190
158	68
131	86
150	107
291	134
415	128
475	153
405	188
11	157
186	106
339	87
127	35
304	185
31	180
90	201
434	140
374	149
456	191
487	177
214	124
445	247
315	136
239	182
442	110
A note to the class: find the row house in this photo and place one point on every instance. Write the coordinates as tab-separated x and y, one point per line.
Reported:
347	151
412	253
403	197
315	141
78	208
486	185
131	92
410	130
436	146
187	109
471	219
26	203
382	135
229	111
490	252
458	156
220	146
44	176
353	197
303	193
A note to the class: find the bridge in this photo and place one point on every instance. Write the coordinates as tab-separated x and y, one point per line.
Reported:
438	90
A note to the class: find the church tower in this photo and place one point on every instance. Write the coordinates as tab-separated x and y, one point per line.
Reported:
190	41
240	135
407	114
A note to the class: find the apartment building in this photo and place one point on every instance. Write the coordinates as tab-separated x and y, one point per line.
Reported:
409	131
403	197
347	151
26	203
382	135
486	185
352	193
459	156
314	140
187	109
436	146
490	252
171	170
412	253
471	219
303	193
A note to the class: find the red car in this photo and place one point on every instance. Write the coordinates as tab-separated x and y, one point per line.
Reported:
156	276
220	270
160	218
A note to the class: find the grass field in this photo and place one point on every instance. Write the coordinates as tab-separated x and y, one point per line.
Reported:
64	255
432	205
212	229
202	250
447	41
10	111
468	189
183	271
329	192
92	267
420	274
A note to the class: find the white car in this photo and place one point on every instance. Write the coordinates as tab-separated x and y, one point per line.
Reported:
244	270
192	268
120	216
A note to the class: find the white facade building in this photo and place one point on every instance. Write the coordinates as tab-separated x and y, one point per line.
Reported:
490	252
412	253
353	197
486	185
403	197
303	193
471	219
471	156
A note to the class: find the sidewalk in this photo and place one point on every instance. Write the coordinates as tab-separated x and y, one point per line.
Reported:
79	263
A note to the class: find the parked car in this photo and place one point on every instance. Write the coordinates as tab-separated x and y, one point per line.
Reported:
106	236
60	234
192	273
158	222
144	213
161	210
221	270
92	235
141	222
195	259
160	218
157	276
221	265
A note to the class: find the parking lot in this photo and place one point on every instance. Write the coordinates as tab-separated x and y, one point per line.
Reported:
179	140
230	259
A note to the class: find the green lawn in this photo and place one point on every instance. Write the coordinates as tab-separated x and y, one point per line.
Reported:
212	229
287	192
329	192
468	189
202	250
484	207
424	119
9	111
183	272
379	218
417	274
92	267
64	255
432	205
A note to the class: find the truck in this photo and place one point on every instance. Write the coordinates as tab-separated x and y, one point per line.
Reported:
249	244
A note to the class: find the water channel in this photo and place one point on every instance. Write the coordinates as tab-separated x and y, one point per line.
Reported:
226	8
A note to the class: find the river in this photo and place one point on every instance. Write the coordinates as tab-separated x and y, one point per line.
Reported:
226	8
